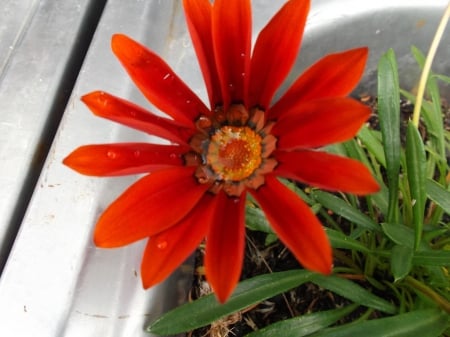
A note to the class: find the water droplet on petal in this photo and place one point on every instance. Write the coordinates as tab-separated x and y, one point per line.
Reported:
173	156
161	244
188	101
111	154
136	153
101	99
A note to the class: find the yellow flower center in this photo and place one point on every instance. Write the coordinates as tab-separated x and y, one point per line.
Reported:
234	152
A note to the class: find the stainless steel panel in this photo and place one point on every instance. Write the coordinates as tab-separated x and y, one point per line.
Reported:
36	41
56	283
16	17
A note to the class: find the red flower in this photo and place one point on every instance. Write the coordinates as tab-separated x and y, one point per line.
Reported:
197	187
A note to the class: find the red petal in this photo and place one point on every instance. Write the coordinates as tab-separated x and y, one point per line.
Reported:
167	250
158	82
231	28
275	51
225	245
119	110
149	206
326	171
321	122
124	158
198	17
335	75
295	224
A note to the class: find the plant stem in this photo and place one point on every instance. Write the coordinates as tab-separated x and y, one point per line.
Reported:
430	293
427	66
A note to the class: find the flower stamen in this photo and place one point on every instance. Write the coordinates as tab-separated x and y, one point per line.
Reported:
234	153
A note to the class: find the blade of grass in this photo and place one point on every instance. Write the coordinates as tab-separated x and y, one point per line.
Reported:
401	261
416	169
304	325
400	234
438	194
423	323
427	65
432	258
353	292
340	207
389	116
342	241
373	143
206	309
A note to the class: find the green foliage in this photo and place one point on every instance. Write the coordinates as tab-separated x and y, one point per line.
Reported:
395	243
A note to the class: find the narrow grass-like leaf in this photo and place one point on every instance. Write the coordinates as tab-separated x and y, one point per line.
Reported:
206	309
416	169
304	325
438	194
389	116
401	261
442	78
400	234
342	241
373	143
432	116
432	258
256	220
353	292
340	207
423	323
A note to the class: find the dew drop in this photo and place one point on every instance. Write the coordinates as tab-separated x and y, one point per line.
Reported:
111	154
188	101
132	113
173	156
167	77
101	99
162	244
136	153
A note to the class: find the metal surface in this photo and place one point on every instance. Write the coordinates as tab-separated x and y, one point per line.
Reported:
56	283
38	45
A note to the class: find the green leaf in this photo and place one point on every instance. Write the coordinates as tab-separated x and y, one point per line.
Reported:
342	241
442	78
389	116
303	325
401	261
438	194
423	323
416	169
353	292
433	115
340	207
373	144
256	220
206	309
400	234
432	258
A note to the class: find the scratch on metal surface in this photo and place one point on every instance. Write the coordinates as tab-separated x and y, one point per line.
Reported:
18	38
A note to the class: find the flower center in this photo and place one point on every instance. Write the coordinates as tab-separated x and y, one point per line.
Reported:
234	152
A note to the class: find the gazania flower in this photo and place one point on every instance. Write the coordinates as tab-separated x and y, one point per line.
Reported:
196	188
